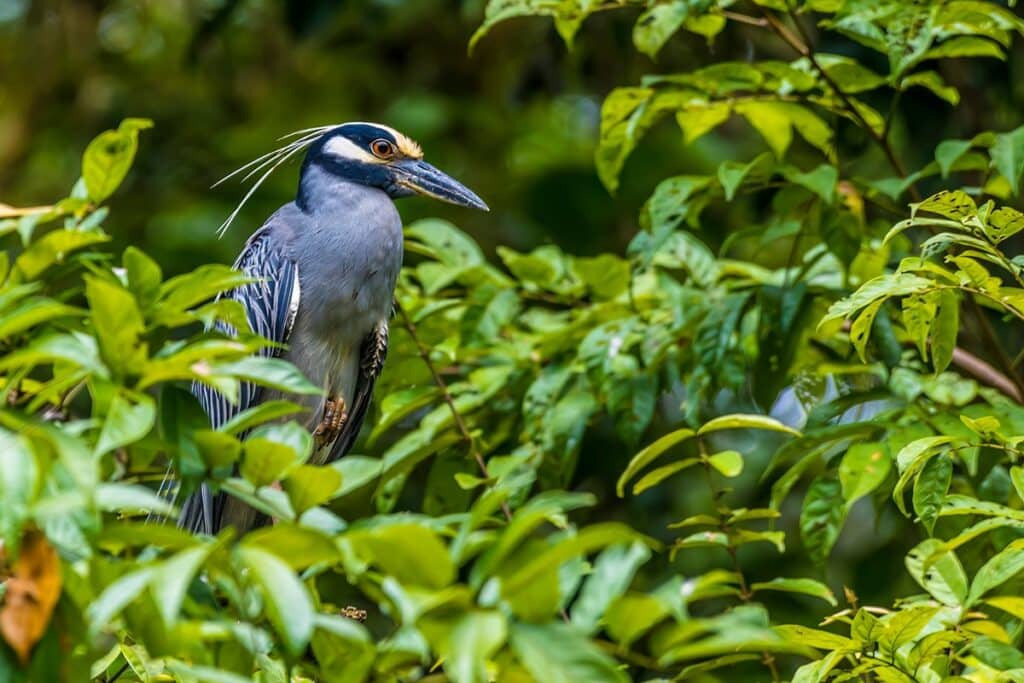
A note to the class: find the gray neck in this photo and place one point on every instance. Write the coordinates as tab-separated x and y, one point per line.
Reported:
323	192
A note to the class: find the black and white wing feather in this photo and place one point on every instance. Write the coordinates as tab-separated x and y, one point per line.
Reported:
271	304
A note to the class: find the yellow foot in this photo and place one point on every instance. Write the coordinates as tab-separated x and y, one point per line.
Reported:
333	421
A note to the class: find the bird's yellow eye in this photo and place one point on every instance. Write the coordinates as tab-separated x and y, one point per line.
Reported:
382	148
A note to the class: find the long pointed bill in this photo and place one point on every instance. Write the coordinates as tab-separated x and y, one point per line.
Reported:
423	179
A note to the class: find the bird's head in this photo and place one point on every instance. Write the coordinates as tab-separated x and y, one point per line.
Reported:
379	156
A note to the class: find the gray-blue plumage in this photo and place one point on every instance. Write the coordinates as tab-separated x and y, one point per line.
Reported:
326	264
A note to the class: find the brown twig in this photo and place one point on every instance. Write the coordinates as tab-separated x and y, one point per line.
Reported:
460	423
802	45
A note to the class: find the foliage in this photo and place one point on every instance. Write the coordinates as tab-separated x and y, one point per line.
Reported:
461	543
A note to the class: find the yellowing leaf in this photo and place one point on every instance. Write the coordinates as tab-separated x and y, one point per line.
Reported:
31	594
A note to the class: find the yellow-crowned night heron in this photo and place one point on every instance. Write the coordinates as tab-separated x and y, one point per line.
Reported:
327	265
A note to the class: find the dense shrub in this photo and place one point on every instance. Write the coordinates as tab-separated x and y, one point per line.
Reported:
460	543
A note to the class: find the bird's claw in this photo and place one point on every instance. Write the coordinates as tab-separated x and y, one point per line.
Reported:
333	421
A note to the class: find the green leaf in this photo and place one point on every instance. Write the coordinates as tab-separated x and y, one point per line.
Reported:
649	454
775	122
698	120
287	602
728	463
275	373
115	597
343	648
742	421
930	490
171	578
308	486
299	546
411	553
557	653
660	474
821	518
613	571
115	497
474	638
1008	156
1002	567
944	330
143	274
54	248
118	324
109	156
588	540
127	421
258	414
932	81
822	181
949	152
938	571
998	655
863	468
804	586
656	25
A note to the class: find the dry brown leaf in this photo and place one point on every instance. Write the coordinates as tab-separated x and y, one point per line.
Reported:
32	592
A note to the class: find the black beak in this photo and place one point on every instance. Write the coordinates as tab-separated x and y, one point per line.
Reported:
421	178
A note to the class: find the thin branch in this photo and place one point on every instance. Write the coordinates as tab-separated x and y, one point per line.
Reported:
802	45
460	423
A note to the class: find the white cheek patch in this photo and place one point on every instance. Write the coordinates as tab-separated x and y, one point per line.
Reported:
346	149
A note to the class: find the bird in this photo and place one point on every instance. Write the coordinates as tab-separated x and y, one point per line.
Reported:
324	266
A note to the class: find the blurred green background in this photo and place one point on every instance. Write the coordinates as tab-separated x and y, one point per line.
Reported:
516	120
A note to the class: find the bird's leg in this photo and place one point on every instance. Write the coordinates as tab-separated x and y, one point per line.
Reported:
333	421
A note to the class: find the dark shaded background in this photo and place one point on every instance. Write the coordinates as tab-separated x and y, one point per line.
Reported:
517	121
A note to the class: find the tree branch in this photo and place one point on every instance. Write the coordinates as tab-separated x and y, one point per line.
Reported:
460	423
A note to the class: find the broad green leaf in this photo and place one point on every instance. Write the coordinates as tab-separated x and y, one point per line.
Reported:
948	152
589	539
1008	156
171	578
269	372
742	421
656	25
660	474
998	655
862	469
930	489
804	586
1002	567
473	639
728	463
557	653
298	546
127	421
131	498
944	330
649	454
287	601
932	81
698	120
412	553
938	571
54	248
115	597
308	486
109	156
118	324
822	518
343	647
816	638
613	571
258	414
